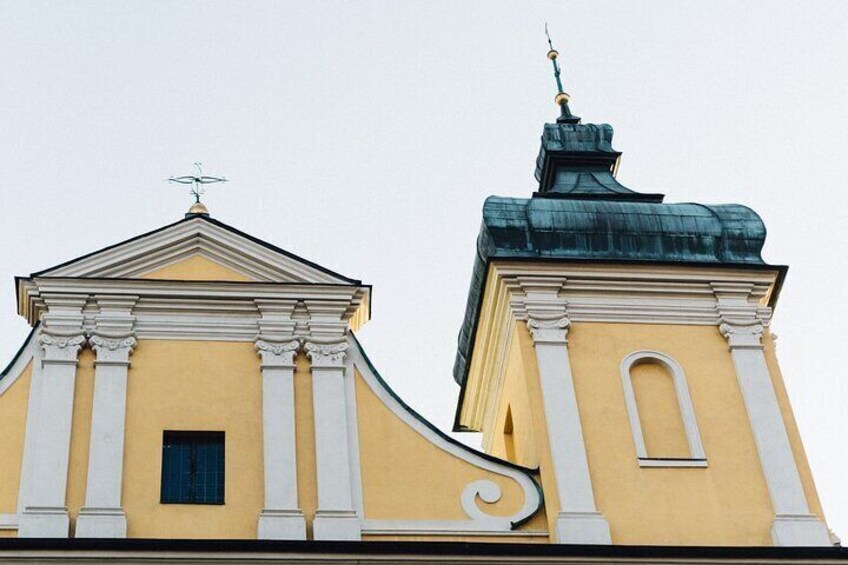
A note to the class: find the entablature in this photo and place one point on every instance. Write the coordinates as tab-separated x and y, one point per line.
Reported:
205	310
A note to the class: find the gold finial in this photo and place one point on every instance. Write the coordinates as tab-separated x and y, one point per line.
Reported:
198	208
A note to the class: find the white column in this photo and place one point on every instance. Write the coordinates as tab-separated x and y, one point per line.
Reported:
578	521
45	514
335	517
281	518
102	515
794	524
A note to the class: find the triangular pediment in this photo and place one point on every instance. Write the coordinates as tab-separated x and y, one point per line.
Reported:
197	248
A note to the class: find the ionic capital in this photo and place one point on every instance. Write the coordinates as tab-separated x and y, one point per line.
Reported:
61	348
745	334
277	354
326	355
551	331
112	350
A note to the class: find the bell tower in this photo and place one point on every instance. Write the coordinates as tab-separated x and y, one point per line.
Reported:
621	344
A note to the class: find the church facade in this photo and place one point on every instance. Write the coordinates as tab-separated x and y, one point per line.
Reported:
196	383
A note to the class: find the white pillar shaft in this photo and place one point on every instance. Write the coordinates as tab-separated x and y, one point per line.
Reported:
335	517
106	454
281	518
53	436
794	525
331	449
279	438
782	478
45	514
565	432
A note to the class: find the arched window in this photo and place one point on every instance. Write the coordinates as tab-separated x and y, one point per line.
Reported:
662	419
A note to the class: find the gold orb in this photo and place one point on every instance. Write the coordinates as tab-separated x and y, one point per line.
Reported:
198	208
562	98
552	54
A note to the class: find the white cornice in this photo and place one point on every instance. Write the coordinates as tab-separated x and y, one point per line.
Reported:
201	310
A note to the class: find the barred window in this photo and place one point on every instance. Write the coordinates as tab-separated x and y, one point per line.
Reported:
192	468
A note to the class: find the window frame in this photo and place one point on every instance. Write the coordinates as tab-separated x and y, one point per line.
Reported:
697	456
186	435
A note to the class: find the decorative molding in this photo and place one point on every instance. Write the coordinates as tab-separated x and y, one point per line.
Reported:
277	354
539	300
281	517
112	350
183	239
742	334
447	528
326	355
550	331
8	522
478	521
665	462
213	310
684	402
60	348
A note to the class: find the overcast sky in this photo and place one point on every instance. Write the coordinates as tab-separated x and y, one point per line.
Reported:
365	136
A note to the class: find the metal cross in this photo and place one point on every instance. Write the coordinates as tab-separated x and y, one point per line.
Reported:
197	181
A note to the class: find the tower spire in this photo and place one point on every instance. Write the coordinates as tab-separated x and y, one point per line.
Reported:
562	98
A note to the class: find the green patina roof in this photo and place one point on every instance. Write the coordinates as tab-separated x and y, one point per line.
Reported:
581	212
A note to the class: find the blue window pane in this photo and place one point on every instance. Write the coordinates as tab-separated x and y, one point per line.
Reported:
192	468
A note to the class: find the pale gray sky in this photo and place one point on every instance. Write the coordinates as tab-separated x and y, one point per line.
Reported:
366	135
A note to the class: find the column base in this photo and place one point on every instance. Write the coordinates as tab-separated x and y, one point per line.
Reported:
799	530
588	528
44	522
336	525
281	524
101	523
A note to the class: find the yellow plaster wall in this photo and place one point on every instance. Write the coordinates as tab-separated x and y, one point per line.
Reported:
196	268
659	410
724	504
515	399
196	386
13	413
406	477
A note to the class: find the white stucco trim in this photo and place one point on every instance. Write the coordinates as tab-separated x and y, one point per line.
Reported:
8	522
45	514
486	490
335	517
684	402
102	515
538	301
452	528
351	412
194	310
281	517
157	249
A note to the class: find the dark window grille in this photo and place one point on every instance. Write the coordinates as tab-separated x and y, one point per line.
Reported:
192	468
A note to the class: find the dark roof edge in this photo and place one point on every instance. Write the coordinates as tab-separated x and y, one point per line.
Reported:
215	222
20	351
440	548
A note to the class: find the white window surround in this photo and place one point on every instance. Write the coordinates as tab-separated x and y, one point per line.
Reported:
697	457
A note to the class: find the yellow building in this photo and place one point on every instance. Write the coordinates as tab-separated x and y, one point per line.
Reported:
196	383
